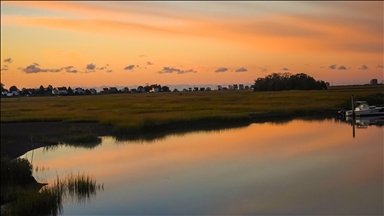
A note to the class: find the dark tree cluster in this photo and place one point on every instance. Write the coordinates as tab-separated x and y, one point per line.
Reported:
288	81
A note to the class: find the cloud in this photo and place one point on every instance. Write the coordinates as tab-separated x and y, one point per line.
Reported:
4	68
380	66
222	69
35	68
70	69
285	69
109	71
142	56
175	70
332	66
342	67
322	67
241	70
149	63
130	67
8	60
90	67
263	69
363	67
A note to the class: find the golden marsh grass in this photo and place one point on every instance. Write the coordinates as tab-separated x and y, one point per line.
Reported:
133	111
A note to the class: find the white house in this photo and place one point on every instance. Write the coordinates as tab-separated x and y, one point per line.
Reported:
154	90
59	90
79	90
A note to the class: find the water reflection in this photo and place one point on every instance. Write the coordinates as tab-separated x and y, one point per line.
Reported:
363	122
299	167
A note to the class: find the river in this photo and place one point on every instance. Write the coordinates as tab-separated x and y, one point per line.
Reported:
299	167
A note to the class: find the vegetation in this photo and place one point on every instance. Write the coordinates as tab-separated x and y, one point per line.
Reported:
133	112
26	198
287	81
17	171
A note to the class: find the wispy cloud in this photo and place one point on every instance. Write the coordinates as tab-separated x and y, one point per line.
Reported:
70	69
363	67
342	67
35	68
333	66
380	66
241	70
222	69
8	60
166	70
90	67
284	69
4	68
264	69
129	67
149	63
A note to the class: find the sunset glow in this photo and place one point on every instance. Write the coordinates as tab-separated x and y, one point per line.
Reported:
91	44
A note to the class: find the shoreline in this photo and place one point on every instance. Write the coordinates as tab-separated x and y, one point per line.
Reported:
17	138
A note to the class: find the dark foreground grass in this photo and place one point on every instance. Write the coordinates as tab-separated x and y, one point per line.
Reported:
135	112
49	200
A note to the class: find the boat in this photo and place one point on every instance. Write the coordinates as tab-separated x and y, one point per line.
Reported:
363	109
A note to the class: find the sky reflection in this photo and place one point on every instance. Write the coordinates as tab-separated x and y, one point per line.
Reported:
301	167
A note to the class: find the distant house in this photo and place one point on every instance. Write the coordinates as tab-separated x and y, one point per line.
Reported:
141	89
93	91
126	90
219	87
235	87
59	90
230	87
4	92
79	91
189	89
105	90
195	88
241	86
154	90
113	90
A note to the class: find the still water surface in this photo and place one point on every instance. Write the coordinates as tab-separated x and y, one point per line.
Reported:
300	167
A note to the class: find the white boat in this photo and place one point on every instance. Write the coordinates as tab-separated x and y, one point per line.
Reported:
363	109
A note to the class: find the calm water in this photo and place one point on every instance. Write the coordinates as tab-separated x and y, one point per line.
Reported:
299	167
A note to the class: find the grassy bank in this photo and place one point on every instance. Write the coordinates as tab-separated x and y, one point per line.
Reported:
130	112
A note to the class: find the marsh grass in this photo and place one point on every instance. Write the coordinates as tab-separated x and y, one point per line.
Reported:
49	200
135	112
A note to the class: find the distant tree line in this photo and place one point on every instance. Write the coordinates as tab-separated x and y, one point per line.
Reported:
288	81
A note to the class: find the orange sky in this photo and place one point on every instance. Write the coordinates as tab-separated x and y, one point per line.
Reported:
170	43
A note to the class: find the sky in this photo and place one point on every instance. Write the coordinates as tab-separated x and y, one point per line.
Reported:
131	43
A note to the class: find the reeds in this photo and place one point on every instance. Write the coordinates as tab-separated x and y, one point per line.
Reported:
49	200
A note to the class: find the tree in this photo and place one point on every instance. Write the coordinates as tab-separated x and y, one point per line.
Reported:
2	87
287	81
165	89
41	90
13	88
70	91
